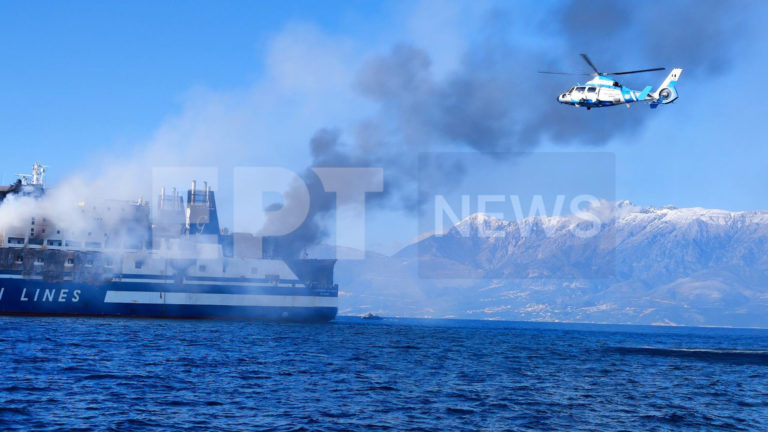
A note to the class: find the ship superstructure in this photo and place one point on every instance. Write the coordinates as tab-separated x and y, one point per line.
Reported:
120	259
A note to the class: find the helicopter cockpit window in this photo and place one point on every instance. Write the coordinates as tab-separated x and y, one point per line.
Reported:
579	89
591	89
570	90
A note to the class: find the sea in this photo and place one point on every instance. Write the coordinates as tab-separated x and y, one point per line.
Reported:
93	374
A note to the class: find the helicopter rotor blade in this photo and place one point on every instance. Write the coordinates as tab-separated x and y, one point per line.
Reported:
589	62
634	71
564	73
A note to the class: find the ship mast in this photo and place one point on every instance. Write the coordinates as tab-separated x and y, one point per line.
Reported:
37	176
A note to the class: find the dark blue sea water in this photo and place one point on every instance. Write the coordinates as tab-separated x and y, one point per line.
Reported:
63	374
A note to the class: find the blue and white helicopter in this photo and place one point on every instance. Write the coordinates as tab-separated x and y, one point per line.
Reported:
602	90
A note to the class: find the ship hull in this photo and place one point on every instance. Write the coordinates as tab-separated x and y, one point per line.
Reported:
152	299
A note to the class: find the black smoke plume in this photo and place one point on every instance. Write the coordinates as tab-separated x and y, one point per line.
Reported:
496	102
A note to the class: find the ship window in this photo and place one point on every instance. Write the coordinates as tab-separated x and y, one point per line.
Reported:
254	270
39	260
201	268
54	242
273	278
58	231
19	258
108	262
74	244
89	262
139	264
43	231
15	240
93	245
70	261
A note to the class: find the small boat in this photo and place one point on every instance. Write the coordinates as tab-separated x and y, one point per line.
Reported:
371	316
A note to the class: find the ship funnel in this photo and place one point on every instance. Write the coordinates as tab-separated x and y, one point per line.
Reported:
201	214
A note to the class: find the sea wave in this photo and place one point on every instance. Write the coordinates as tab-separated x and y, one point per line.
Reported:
735	356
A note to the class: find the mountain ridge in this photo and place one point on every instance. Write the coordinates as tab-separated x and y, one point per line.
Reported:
645	265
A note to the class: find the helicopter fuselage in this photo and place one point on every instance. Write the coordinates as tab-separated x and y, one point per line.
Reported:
601	91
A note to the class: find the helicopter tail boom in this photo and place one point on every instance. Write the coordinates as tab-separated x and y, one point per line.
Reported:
644	94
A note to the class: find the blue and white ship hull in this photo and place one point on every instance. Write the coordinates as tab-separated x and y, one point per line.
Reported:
145	297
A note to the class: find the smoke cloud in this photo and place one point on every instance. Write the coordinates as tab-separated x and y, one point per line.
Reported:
494	101
382	109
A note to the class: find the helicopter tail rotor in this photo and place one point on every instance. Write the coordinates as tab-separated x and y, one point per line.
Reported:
667	93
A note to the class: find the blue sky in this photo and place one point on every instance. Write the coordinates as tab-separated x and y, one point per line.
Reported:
91	75
86	82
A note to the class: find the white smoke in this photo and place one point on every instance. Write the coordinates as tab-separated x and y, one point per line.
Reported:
61	205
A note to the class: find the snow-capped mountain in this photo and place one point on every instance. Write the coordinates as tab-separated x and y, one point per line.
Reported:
690	266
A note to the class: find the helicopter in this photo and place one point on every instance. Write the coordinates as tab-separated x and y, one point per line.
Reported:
604	91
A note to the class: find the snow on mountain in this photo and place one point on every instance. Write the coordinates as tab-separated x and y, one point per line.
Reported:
688	266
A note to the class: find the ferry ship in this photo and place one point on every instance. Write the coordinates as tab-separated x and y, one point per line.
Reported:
121	259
